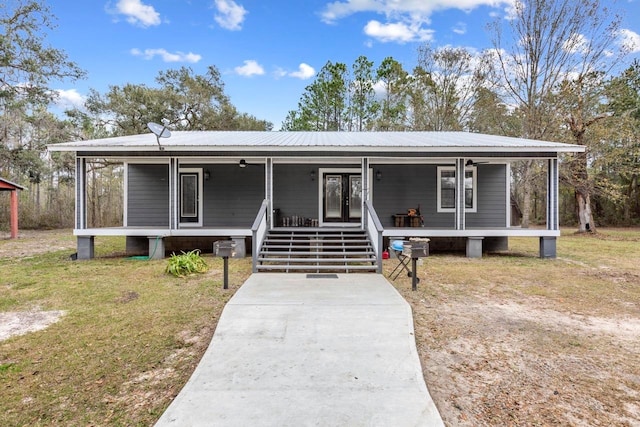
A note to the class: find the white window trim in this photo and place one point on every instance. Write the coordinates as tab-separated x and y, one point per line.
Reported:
197	171
321	172
474	171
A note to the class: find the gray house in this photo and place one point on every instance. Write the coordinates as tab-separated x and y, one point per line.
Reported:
317	200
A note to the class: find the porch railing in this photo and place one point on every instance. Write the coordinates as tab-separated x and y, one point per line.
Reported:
374	229
258	232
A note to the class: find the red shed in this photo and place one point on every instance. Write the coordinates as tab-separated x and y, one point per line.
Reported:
13	189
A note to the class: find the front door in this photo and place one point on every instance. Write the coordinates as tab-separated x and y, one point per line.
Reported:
190	206
342	197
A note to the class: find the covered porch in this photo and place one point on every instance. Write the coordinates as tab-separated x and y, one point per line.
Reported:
243	185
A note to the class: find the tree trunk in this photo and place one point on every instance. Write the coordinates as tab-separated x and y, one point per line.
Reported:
527	190
585	219
526	205
583	193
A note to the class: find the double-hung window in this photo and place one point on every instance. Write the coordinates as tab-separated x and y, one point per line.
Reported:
447	189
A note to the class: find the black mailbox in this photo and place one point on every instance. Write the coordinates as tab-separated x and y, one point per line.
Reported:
224	248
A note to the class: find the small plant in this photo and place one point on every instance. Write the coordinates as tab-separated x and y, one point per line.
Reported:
186	263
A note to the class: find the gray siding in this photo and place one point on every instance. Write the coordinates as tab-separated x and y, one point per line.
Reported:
148	195
294	193
403	187
492	202
232	195
408	186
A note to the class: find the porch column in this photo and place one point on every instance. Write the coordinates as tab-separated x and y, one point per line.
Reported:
460	194
365	190
85	244
268	190
173	193
13	216
553	222
81	193
548	244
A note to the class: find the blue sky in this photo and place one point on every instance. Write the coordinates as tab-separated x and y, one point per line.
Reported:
268	51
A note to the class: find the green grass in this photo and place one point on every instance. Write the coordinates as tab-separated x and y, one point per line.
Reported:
132	334
126	320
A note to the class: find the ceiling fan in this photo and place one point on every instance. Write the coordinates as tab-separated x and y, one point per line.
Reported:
472	163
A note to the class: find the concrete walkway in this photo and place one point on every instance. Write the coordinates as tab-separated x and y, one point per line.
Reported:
293	350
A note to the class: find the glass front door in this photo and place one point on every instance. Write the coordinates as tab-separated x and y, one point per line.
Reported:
342	197
190	189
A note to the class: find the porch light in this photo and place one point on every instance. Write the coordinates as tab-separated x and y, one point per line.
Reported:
312	174
243	163
378	175
207	175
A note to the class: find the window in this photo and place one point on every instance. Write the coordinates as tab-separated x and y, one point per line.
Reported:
447	189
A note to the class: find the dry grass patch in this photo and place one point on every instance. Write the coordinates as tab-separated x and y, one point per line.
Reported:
511	339
130	339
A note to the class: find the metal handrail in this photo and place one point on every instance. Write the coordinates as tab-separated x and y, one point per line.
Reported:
258	232
374	229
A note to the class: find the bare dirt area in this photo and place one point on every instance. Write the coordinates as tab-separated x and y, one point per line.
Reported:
29	243
21	322
34	242
496	361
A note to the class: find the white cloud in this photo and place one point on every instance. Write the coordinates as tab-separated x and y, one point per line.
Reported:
397	32
167	56
68	99
405	20
230	14
460	28
305	71
416	10
577	43
250	68
138	13
630	40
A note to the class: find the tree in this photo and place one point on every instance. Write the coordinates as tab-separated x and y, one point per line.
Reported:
363	103
551	41
27	68
489	115
323	105
27	65
443	87
393	80
188	101
616	154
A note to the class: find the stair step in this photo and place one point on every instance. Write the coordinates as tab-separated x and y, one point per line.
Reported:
315	241
317	247
315	235
314	250
318	253
317	267
322	260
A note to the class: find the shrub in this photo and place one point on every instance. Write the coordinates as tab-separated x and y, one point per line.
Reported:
186	263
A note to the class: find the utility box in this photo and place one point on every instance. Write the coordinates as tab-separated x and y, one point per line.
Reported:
415	249
224	248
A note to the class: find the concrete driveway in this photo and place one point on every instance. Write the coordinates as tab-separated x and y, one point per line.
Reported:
309	350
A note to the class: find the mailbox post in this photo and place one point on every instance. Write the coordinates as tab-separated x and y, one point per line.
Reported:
225	249
418	250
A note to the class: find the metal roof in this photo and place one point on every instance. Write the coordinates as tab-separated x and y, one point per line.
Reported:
281	142
8	184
